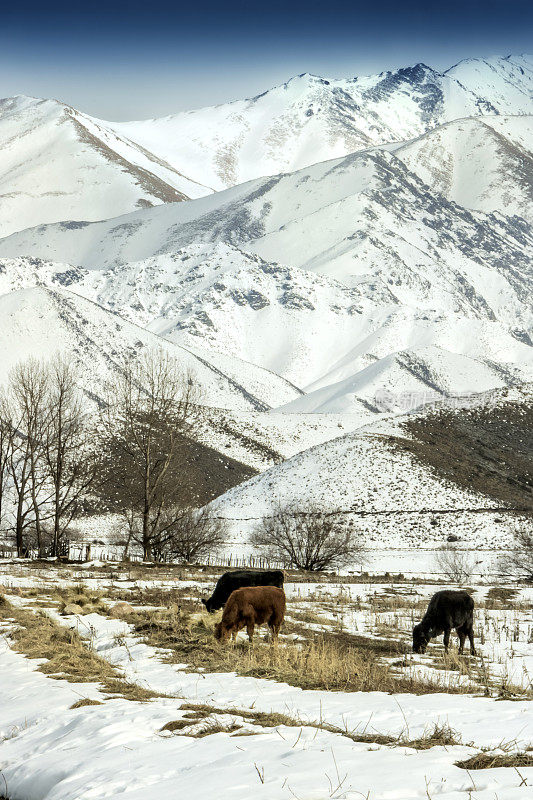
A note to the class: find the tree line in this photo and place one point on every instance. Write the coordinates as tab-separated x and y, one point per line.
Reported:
62	457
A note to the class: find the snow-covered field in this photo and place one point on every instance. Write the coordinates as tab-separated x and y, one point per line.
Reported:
220	742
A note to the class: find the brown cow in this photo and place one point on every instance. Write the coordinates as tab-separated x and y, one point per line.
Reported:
251	606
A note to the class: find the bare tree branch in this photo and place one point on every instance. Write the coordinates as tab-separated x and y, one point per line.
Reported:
307	539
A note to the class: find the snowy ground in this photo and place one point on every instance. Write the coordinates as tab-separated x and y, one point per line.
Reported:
52	752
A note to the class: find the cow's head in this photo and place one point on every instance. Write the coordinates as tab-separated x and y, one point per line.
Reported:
207	604
420	639
220	632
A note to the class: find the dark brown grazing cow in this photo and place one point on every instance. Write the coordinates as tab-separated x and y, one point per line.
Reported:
446	610
251	606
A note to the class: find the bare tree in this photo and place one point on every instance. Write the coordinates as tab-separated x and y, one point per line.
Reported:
48	462
517	562
150	409
29	388
25	418
69	456
455	564
307	539
189	534
5	455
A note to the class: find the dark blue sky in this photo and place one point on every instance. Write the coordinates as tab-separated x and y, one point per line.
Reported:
136	60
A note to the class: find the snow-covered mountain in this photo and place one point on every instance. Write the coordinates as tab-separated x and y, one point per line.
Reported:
387	486
383	283
311	119
362	218
41	321
482	163
57	163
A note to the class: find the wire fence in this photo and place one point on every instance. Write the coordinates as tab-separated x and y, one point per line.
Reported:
86	551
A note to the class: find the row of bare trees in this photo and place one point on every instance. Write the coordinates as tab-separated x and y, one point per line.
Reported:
46	464
59	458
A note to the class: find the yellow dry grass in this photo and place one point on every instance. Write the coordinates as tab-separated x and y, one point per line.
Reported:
212	719
67	656
493	760
321	661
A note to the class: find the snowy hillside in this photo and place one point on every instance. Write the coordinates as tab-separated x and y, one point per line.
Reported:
383	485
343	346
42	322
484	164
407	378
362	219
57	163
311	119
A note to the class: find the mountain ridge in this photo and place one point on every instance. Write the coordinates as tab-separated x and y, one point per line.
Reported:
310	118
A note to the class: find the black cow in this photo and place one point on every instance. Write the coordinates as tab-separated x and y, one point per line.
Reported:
229	581
446	610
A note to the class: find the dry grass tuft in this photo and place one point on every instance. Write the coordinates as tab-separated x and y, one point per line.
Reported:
86	702
492	760
500	597
176	725
90	601
215	727
66	654
131	691
185	598
191	726
438	736
271	719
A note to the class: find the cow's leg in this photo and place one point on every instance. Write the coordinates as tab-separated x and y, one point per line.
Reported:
470	633
446	639
461	633
250	631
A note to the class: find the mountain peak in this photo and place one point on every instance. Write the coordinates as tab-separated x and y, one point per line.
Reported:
307	78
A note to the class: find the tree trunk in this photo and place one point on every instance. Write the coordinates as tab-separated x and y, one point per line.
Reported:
19	529
57	531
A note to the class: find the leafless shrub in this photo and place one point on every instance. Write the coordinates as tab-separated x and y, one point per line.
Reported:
456	565
190	534
517	563
307	539
178	534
